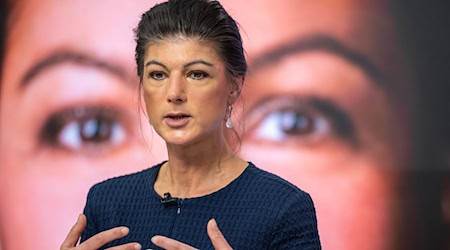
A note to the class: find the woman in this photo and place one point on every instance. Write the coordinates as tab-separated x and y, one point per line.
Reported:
191	67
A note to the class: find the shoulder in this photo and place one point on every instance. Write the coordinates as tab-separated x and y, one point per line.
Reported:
272	184
270	192
295	222
292	212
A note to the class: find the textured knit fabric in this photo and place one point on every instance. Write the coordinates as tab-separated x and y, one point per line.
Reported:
257	210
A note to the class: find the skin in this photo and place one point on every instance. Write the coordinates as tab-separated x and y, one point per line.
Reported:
70	243
44	179
180	76
217	239
349	157
352	179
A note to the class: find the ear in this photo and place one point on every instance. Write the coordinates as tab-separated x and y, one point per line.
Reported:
235	90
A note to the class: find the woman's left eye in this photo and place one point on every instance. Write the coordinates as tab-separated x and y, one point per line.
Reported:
197	75
282	125
291	119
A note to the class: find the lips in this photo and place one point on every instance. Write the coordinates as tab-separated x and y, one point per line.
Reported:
177	116
177	120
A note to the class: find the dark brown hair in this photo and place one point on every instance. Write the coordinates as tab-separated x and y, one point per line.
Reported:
206	20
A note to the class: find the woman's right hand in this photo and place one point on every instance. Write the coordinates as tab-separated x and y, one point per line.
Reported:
98	240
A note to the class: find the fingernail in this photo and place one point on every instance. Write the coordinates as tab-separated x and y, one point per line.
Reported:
214	223
124	230
154	239
137	246
79	217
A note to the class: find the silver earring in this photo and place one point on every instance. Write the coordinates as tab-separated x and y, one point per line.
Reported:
229	122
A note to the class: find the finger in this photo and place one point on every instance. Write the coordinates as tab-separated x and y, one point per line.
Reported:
217	239
129	246
170	244
103	238
75	233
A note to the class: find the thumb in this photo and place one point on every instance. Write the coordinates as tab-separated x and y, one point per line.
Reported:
75	233
217	239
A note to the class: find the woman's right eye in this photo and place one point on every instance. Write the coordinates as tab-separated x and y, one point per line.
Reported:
157	75
92	128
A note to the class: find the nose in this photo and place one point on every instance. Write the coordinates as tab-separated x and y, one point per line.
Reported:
176	92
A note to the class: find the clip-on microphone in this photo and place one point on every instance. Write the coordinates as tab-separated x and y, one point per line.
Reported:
168	200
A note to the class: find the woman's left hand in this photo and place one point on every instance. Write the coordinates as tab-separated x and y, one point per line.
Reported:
217	239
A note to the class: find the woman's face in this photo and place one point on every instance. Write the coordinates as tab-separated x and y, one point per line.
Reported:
186	91
326	108
69	114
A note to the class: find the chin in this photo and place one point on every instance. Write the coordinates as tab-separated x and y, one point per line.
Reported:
179	138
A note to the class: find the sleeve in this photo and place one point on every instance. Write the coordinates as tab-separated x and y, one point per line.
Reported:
89	211
296	226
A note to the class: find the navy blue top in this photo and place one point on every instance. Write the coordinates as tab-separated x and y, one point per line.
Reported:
257	210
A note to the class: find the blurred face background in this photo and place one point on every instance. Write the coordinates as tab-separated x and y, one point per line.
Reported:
327	109
326	104
69	113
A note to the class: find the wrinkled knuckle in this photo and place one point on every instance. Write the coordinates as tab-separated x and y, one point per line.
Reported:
99	238
130	247
117	233
217	236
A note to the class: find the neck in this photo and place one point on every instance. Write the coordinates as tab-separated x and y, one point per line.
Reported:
198	169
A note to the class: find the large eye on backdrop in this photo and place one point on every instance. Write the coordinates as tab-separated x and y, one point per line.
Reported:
290	119
84	128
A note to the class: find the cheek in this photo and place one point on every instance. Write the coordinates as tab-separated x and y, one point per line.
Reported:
42	195
152	101
209	103
39	205
353	192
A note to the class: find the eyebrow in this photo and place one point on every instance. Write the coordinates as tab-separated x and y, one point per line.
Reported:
185	65
198	62
318	42
151	62
74	57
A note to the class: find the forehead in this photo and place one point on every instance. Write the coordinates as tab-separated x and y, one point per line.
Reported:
275	20
182	49
76	21
363	25
102	28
